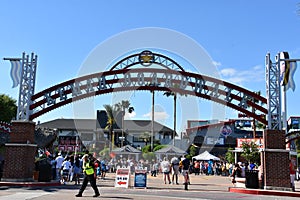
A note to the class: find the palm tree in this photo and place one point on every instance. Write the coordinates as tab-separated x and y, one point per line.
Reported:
123	106
110	111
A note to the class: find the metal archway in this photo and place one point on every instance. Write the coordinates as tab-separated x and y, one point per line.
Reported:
171	77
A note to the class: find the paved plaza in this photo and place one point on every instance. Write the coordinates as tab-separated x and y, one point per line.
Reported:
202	187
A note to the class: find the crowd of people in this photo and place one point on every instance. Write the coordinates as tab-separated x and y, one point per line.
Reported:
69	168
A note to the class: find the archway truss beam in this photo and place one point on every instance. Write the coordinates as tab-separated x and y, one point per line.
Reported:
185	83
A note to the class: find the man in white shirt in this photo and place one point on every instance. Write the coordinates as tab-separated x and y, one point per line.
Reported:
66	167
59	160
175	169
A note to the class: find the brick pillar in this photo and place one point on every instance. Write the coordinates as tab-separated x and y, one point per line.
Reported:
276	161
20	152
22	132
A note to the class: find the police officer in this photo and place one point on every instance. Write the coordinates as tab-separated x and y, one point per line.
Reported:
89	175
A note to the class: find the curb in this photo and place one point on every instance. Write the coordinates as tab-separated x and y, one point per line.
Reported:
30	184
264	192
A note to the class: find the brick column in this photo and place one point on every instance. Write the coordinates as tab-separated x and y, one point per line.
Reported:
22	132
276	161
20	152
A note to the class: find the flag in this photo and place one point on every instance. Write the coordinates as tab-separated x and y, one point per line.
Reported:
15	72
284	70
289	75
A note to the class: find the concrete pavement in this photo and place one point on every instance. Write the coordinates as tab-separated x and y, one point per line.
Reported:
202	187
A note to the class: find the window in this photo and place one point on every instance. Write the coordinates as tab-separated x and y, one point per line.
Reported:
138	139
87	136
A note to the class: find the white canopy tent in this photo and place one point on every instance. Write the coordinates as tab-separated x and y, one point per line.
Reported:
206	156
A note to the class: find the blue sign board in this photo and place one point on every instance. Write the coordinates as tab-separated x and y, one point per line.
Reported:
140	178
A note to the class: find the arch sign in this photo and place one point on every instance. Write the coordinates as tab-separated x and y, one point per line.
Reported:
151	71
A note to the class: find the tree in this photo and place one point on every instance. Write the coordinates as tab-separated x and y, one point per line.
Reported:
8	108
250	152
112	111
147	148
149	156
104	153
123	106
193	151
158	147
110	123
229	156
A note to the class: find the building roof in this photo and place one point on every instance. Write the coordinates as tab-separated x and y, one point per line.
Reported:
126	150
142	125
170	150
90	124
188	130
70	124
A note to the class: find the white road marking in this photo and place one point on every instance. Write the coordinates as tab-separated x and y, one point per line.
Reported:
23	195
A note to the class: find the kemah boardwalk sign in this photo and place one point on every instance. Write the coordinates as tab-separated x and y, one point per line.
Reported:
169	77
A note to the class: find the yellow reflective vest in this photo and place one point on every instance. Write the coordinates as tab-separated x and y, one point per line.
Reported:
88	169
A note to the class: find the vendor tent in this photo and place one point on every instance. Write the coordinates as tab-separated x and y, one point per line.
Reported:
127	150
205	156
170	150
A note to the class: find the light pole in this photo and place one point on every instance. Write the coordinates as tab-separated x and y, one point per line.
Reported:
122	140
174	131
152	121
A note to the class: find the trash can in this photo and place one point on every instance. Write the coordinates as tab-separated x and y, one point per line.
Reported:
252	179
44	171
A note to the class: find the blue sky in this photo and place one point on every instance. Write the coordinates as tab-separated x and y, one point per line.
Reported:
235	34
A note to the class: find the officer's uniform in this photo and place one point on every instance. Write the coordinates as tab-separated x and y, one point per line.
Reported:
88	169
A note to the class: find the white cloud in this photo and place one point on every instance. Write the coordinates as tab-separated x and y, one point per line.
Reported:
228	72
240	77
157	116
129	115
216	63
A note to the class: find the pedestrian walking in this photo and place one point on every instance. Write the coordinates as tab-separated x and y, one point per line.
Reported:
185	162
165	168
175	169
65	170
89	176
77	170
236	172
59	160
197	167
292	168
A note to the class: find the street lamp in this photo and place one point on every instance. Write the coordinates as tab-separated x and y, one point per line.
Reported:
152	121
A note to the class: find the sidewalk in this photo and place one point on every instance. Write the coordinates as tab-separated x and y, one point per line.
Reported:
220	183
